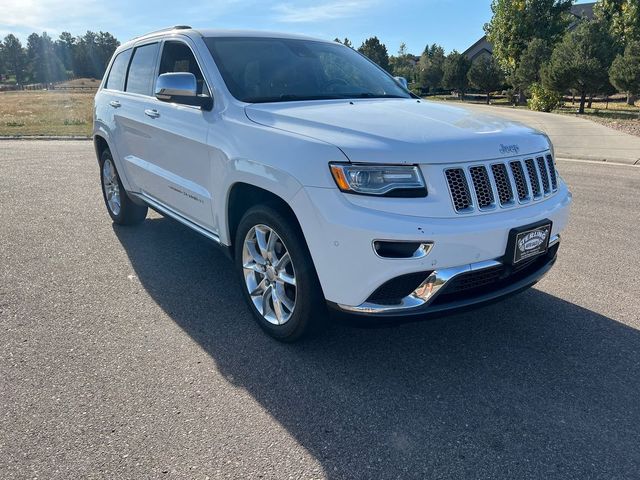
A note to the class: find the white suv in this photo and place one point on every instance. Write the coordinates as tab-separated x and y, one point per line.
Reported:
326	181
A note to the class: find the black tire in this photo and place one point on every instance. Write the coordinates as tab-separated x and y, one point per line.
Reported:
130	213
310	312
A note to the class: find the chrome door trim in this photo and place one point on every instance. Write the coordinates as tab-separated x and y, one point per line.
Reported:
169	212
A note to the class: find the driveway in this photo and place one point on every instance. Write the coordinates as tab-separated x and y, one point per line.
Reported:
574	137
129	353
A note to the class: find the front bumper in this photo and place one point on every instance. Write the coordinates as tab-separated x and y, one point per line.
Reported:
339	235
438	293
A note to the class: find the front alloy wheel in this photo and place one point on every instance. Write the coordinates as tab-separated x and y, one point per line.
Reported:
269	274
280	282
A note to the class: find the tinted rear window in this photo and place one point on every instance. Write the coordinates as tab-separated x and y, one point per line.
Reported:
142	69
118	72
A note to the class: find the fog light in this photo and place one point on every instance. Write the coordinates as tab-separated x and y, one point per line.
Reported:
400	249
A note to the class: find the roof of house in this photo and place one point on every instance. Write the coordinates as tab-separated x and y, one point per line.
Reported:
581	10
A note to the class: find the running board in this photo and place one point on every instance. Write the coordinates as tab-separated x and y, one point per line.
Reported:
164	210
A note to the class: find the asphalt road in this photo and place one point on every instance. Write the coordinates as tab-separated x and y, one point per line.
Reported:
128	353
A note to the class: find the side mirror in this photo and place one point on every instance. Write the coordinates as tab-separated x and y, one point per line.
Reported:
402	81
182	88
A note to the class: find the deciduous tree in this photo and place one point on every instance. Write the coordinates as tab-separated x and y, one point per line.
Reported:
622	17
516	22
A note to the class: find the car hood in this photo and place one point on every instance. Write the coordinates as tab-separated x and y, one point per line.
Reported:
402	130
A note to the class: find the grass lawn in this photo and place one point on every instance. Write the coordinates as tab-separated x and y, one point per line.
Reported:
46	113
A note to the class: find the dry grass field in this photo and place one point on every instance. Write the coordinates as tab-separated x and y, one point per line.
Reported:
81	82
46	113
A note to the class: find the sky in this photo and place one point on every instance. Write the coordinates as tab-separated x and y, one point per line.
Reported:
454	24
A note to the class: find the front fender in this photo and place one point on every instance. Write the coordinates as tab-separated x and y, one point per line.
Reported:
274	160
268	178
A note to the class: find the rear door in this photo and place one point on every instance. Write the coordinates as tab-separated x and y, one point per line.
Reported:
134	137
181	173
108	107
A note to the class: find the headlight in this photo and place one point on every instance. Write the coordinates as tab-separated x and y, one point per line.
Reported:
383	180
553	153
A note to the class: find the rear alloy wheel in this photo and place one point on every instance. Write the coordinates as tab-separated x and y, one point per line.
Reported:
111	187
279	280
121	208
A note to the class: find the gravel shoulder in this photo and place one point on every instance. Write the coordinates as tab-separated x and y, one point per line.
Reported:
632	127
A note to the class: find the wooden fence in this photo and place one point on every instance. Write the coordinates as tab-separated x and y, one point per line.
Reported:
51	87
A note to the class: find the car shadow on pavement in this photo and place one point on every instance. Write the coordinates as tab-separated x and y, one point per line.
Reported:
532	387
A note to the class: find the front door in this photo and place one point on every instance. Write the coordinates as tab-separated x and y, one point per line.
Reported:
181	167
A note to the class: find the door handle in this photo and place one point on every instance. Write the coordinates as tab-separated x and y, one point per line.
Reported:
114	103
152	113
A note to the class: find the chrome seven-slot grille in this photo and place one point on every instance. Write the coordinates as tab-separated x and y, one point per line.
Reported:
503	183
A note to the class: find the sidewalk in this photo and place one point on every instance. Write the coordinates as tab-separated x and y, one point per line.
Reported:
573	137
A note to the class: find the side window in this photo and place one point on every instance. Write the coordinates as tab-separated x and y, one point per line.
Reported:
178	57
118	72
142	68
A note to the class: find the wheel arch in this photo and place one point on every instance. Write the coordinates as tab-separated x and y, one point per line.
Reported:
242	196
100	144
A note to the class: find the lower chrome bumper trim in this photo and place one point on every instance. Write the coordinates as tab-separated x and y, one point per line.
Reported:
429	289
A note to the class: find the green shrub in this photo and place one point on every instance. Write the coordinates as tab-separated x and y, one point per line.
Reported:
542	99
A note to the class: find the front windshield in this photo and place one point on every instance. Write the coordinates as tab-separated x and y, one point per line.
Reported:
258	70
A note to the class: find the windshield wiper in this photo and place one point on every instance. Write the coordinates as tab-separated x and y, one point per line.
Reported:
289	97
375	95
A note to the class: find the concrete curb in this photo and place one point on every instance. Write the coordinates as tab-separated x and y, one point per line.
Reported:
599	162
44	137
596	159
